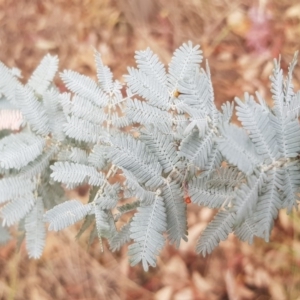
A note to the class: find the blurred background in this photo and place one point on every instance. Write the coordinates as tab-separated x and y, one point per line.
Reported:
240	38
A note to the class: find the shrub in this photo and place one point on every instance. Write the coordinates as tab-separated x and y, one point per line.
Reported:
145	154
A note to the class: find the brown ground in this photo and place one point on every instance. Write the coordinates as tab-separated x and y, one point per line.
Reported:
240	48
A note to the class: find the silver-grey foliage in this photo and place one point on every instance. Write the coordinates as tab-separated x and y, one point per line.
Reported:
142	150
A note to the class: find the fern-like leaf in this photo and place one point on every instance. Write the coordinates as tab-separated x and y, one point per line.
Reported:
184	61
149	88
246	197
149	64
147	115
8	83
78	155
98	156
213	197
82	130
287	134
288	84
43	74
109	198
176	213
216	231
163	147
39	165
197	149
105	77
13	187
228	177
104	223
237	148
246	231
269	204
147	228
133	155
137	190
214	161
120	238
54	111
17	150
66	214
32	109
256	120
35	230
82	108
85	87
128	207
293	108
74	174
277	86
16	209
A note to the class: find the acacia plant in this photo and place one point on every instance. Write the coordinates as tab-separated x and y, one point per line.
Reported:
146	150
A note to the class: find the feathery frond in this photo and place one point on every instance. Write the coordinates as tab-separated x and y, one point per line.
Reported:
35	230
247	195
147	228
105	77
17	150
8	83
269	204
98	156
39	165
197	149
216	231
145	114
288	84
104	223
32	109
84	87
66	214
237	148
149	64
149	88
133	156
162	146
176	213
136	189
120	238
43	74
213	197
73	174
184	61
257	122
82	108
82	130
229	177
16	209
13	187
